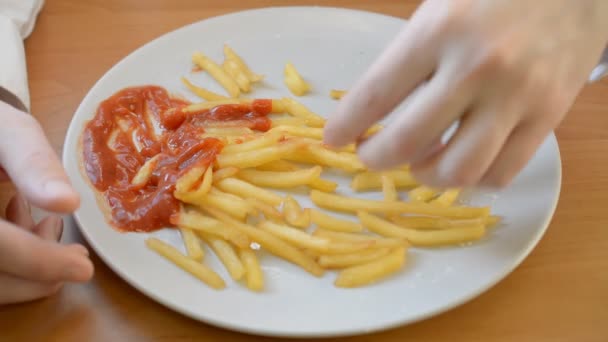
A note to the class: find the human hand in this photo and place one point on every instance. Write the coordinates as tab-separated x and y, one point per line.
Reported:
32	263
507	71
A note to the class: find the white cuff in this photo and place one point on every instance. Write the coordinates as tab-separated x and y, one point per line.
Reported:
601	70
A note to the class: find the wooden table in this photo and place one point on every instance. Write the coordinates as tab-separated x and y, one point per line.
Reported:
559	293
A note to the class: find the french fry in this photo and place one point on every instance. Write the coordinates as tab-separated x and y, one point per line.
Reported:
269	212
323	185
447	198
187	181
192	244
272	244
281	180
301	131
374	241
224	173
423	222
197	269
236	207
288	121
388	188
225	252
262	141
197	222
256	157
217	73
347	204
339	160
294	215
201	92
278	165
253	272
421	193
228	131
230	54
232	69
373	180
295	236
144	173
298	110
372	271
329	222
294	81
244	189
337	94
351	259
422	237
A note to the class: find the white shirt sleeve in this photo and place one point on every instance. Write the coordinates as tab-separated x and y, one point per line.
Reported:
601	70
17	19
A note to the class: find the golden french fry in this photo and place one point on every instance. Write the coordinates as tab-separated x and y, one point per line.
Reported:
232	69
324	185
197	269
374	241
192	244
373	130
288	121
188	180
225	252
492	221
351	259
295	236
272	244
261	141
300	131
347	204
278	165
289	179
203	106
337	94
269	212
222	131
298	110
253	271
372	271
329	222
217	73
294	81
233	205
201	92
347	162
388	188
198	222
294	215
244	189
256	157
144	173
224	173
230	54
447	198
373	180
422	237
421	193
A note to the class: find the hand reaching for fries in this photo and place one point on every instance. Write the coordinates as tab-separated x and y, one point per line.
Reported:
506	71
32	264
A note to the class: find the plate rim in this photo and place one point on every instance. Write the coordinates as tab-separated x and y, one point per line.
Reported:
74	130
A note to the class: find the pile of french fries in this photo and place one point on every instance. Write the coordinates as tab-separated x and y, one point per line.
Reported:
242	204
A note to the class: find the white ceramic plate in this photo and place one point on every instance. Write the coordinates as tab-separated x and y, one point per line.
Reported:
330	47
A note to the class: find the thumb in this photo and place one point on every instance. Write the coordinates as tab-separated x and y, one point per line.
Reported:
31	163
